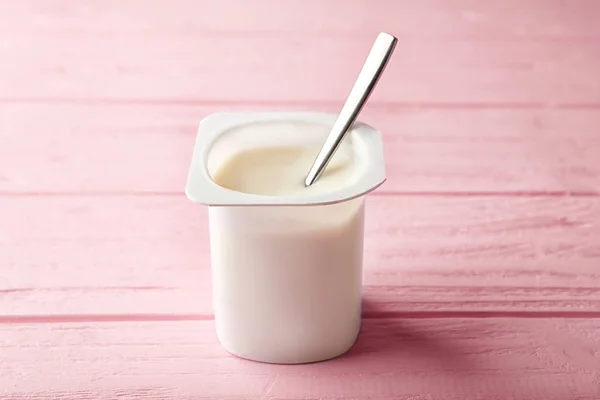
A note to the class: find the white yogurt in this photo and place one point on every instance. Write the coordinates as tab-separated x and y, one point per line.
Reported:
287	287
280	171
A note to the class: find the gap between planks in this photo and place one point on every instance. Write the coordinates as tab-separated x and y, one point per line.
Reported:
381	193
375	105
372	315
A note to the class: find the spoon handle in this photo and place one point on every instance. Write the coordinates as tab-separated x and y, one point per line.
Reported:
367	79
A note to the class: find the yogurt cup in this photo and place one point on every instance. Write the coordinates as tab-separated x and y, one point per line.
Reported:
286	270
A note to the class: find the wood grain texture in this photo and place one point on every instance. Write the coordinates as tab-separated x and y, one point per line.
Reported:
149	255
295	70
482	258
429	19
427	151
541	359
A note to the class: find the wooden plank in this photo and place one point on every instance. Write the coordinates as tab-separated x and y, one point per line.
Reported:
125	148
149	255
400	359
245	68
543	19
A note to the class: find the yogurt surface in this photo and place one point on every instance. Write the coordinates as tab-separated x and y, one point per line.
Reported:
280	171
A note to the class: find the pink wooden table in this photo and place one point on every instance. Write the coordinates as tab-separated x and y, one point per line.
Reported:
482	264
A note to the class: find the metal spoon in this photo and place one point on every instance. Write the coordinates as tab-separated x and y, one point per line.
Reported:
367	79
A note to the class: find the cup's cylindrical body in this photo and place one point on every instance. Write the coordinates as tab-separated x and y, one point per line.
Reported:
287	279
287	264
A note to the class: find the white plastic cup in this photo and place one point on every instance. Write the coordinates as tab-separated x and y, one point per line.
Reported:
286	270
